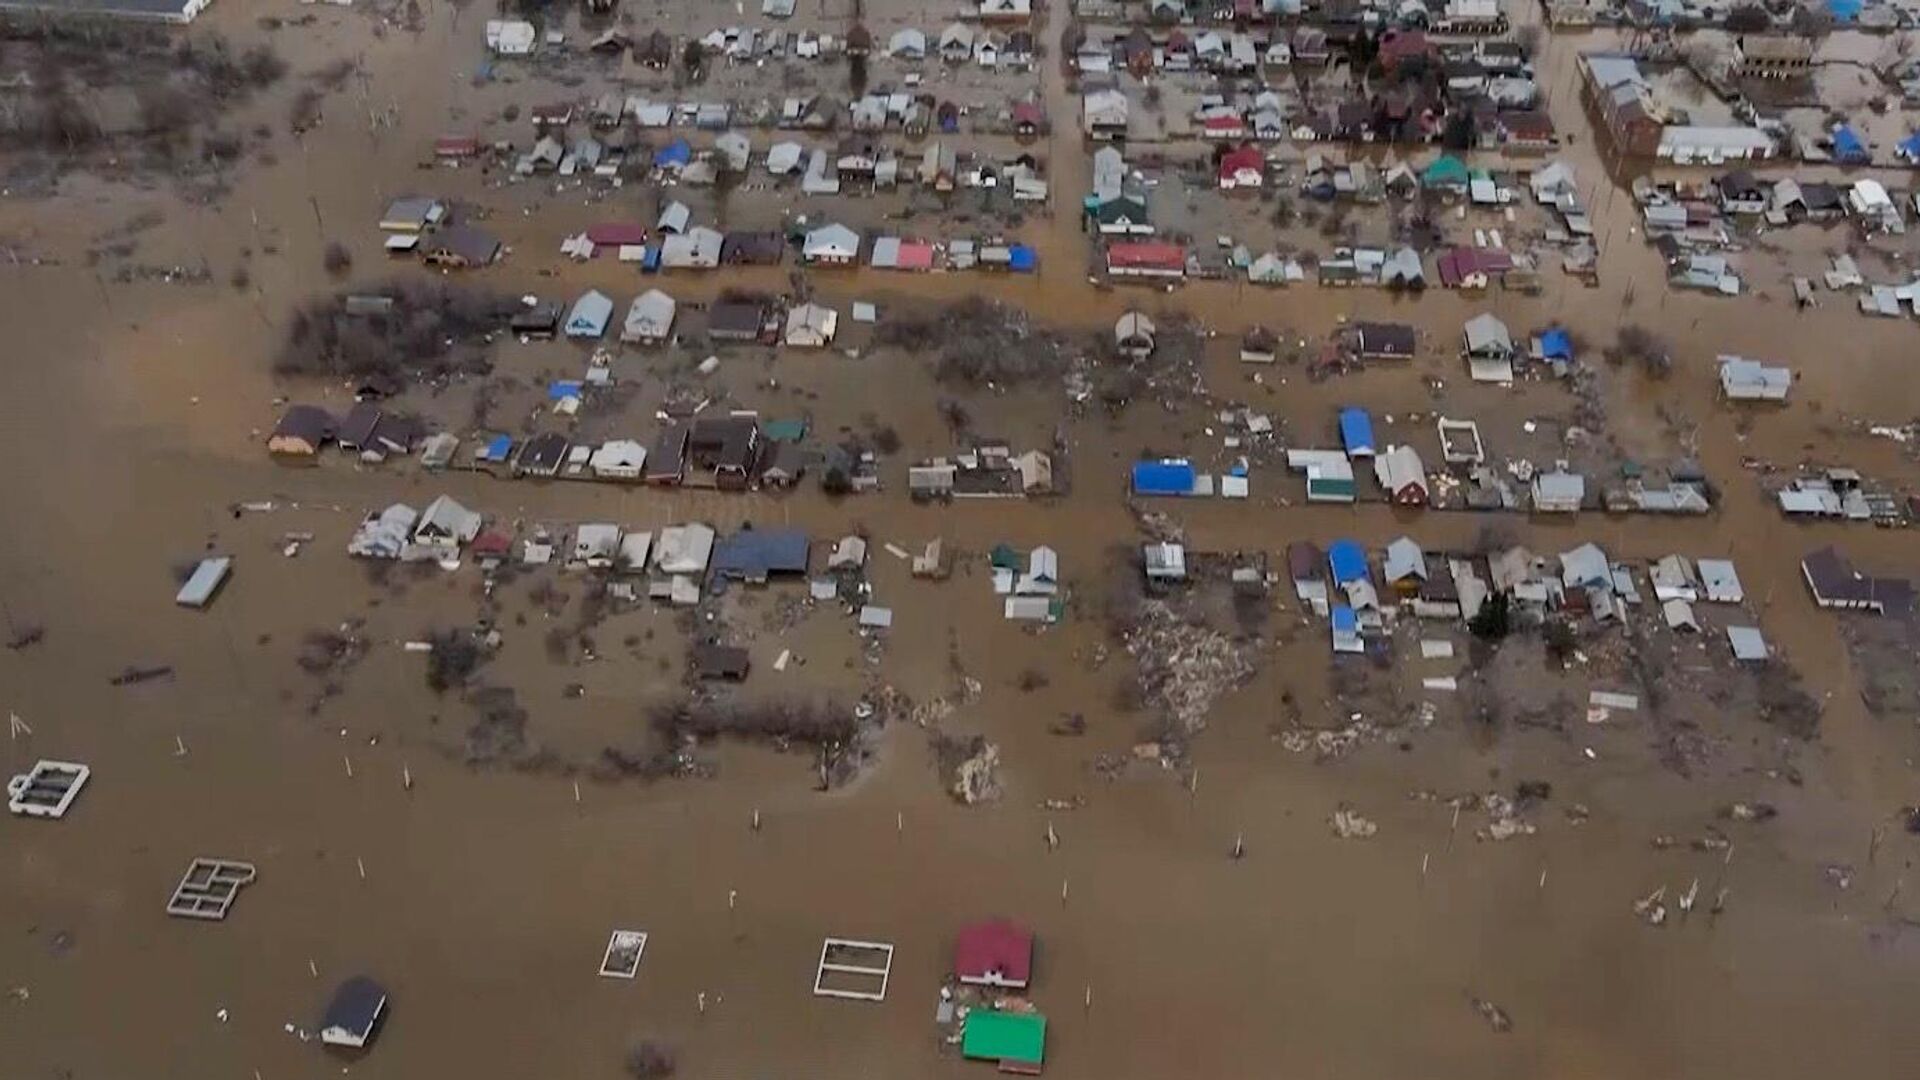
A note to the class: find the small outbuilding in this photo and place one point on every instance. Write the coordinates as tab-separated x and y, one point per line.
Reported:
353	1013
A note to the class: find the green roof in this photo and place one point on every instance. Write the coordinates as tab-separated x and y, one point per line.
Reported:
1445	169
784	430
1004	557
1005	1036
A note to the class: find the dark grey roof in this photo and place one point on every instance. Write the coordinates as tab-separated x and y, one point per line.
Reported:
732	318
1393	339
357	429
309	422
718	662
544	452
355	1006
475	247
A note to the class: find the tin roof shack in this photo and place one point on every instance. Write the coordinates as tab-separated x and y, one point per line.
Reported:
1835	584
996	952
718	662
756	556
301	432
353	1013
1750	380
1133	335
201	585
723	450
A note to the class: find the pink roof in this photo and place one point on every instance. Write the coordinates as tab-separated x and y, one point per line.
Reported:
1457	264
915	255
998	948
616	233
1223	122
456	146
1146	253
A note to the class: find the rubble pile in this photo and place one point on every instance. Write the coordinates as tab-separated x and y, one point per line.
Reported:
1184	668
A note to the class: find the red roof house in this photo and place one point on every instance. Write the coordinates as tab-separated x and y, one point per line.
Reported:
1145	258
998	952
1224	125
456	146
617	234
1472	267
1242	168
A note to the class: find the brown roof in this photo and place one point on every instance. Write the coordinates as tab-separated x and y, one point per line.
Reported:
718	662
1305	561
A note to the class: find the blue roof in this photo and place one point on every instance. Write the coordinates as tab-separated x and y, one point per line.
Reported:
499	447
1023	258
1356	429
1910	146
1847	143
755	553
1845	10
650	262
676	152
1348	560
563	388
1345	620
1170	476
1556	344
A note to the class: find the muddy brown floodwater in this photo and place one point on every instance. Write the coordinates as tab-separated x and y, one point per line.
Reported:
132	419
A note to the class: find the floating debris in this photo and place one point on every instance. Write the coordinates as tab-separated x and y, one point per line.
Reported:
1349	825
1495	1016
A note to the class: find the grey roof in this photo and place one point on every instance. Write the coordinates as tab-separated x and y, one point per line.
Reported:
1485	332
651	316
1584	565
1404	560
1747	643
590	314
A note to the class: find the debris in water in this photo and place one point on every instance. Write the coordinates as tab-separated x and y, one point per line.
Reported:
1349	825
1742	811
1839	875
131	675
1652	908
1495	1016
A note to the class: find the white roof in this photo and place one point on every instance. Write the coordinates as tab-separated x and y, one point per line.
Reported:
832	240
674	218
448	518
684	549
595	540
650	317
908	40
1749	380
783	158
1721	581
1747	643
1398	467
634	549
812	320
1584	565
618	455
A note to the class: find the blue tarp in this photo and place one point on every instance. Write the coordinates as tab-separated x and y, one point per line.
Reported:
753	554
1023	259
563	388
1356	430
1556	344
676	152
1847	145
1165	477
1845	10
1348	560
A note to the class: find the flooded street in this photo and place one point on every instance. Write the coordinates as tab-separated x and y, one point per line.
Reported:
482	896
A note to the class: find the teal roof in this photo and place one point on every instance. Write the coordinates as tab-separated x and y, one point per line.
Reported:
1005	1036
1445	170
